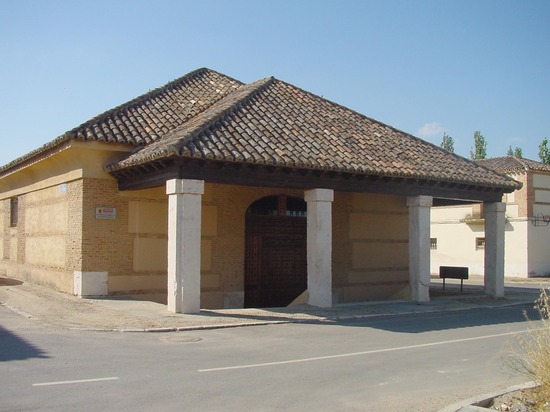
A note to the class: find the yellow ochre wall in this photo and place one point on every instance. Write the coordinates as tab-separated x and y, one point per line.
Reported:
58	233
370	247
46	246
370	256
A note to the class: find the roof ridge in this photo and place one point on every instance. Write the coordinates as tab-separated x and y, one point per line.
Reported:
227	106
521	162
202	121
151	94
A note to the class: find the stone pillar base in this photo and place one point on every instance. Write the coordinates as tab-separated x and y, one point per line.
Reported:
90	284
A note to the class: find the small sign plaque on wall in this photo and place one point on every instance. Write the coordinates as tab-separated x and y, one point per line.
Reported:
105	213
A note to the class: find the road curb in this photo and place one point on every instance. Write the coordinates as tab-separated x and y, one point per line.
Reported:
286	321
478	402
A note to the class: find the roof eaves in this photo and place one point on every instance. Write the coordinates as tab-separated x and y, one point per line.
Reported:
513	183
7	168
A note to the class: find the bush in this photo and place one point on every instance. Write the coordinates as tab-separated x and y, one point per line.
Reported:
533	359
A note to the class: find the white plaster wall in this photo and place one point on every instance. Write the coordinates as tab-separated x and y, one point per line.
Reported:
456	246
539	258
515	249
526	245
542	196
512	211
539	236
541	180
541	209
449	214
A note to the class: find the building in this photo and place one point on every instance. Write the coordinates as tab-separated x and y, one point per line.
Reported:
211	193
458	232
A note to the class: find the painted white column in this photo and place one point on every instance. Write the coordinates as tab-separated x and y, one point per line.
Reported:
184	244
319	246
494	248
419	247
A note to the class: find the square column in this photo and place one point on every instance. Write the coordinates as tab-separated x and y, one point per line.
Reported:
184	244
319	246
494	248
419	247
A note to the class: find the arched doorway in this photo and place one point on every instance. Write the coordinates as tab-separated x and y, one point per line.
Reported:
275	251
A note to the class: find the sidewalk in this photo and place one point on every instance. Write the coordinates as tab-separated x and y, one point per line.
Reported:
129	315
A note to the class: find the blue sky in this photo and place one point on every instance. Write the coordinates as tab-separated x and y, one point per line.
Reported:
425	67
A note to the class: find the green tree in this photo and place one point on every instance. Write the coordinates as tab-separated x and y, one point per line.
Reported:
448	143
544	152
480	147
517	152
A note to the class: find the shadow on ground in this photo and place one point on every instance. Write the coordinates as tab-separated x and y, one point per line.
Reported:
9	282
448	309
13	347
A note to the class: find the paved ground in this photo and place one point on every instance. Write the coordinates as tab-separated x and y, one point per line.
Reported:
58	310
123	314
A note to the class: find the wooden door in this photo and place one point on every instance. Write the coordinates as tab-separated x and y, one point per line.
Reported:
276	258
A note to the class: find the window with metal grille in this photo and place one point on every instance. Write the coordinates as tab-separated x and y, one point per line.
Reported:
480	243
14	211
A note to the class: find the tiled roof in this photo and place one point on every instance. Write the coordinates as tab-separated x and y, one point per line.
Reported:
271	122
210	116
149	116
511	164
146	118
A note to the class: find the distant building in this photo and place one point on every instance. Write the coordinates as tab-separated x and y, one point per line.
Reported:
211	193
458	232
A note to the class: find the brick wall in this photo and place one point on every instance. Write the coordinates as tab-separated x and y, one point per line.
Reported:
106	243
525	196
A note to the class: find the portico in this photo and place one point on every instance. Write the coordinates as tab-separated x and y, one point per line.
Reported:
184	240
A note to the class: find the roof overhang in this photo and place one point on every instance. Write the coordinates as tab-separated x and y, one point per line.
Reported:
156	174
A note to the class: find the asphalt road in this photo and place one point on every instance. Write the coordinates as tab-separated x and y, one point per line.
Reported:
398	363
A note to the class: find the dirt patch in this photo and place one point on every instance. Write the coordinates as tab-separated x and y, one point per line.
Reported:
519	401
